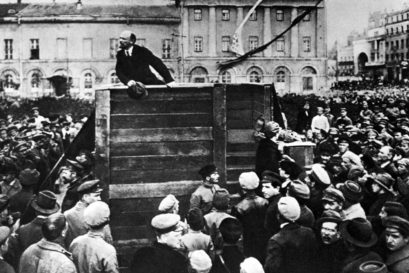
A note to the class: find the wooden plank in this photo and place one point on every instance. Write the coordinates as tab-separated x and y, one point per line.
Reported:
267	102
158	162
132	218
102	136
147	190
131	232
162	148
240	136
153	176
124	121
244	115
160	106
144	204
239	104
161	134
220	130
166	94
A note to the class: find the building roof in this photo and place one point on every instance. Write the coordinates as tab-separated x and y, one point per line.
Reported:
133	11
11	9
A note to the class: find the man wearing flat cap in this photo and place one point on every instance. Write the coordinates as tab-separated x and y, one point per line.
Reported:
346	154
294	248
251	213
333	199
90	192
169	204
358	238
353	195
301	192
331	248
397	242
202	197
90	252
162	256
199	262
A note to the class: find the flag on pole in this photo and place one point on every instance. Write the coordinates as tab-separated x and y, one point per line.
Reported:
236	45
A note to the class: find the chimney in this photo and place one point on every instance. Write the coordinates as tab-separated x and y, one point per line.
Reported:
79	5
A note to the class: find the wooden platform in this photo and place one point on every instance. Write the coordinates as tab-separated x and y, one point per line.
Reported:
151	147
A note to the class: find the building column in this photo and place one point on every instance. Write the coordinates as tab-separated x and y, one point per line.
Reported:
184	40
212	31
239	16
294	34
267	31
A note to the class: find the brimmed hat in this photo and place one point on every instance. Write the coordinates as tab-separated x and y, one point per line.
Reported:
299	189
333	131
271	177
78	166
395	208
398	223
89	187
167	203
137	91
46	203
344	139
358	231
352	191
289	208
373	267
249	180
207	170
29	177
320	175
355	172
165	222
333	194
199	260
384	180
329	216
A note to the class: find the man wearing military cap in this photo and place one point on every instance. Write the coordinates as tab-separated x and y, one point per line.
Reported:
202	197
397	242
162	256
333	199
90	252
301	192
331	248
345	153
353	195
47	255
250	211
89	192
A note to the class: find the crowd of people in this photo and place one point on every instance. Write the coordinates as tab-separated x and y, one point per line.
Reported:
345	212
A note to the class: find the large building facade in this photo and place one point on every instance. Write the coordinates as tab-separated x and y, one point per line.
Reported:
55	48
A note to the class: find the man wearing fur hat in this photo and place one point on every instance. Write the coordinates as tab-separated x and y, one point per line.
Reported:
251	213
202	197
294	248
162	256
90	252
397	242
268	155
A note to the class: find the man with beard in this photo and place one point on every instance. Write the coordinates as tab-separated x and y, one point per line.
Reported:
330	249
202	197
397	242
385	161
133	63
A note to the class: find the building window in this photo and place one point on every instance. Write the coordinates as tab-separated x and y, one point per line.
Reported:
8	49
225	14
113	47
397	44
407	28
402	44
280	44
166	49
9	81
113	78
140	42
280	77
225	77
279	15
198	43
34	49
254	76
61	48
253	42
198	14
307	17
87	48
308	84
391	30
35	80
225	43
386	45
253	16
307	43
88	80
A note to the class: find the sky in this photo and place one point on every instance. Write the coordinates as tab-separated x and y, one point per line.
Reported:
343	16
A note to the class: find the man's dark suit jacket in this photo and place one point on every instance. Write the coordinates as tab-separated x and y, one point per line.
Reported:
136	67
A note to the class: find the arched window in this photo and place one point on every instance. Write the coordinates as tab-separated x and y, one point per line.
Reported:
113	78
225	77
88	80
254	76
9	81
198	75
35	80
280	77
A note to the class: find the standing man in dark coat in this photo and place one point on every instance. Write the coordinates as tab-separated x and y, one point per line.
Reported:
162	256
294	248
303	119
133	63
397	242
268	154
